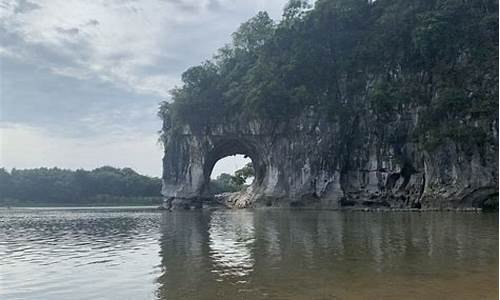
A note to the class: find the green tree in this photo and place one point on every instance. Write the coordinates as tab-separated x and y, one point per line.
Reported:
222	184
350	58
254	33
56	186
241	175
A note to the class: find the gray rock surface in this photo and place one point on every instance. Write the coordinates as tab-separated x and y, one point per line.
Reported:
315	162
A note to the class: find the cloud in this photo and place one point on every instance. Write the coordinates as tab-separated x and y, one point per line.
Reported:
116	39
64	104
92	22
29	147
24	6
70	31
96	70
64	61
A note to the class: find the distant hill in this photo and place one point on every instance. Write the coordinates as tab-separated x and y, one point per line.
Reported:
60	187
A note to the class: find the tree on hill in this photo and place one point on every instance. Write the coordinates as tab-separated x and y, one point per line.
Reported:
349	58
65	187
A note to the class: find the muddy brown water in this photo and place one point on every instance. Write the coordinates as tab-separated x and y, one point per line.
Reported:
142	253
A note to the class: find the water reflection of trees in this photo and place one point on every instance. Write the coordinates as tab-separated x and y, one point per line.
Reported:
258	252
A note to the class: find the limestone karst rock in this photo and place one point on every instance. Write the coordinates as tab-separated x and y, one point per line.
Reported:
311	161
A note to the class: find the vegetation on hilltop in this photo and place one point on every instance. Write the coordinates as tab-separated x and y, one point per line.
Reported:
352	57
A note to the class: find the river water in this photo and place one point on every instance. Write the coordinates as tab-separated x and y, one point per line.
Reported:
140	253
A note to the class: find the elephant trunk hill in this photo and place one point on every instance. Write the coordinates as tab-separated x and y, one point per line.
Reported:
345	104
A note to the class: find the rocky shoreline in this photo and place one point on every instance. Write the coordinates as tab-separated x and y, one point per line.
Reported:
230	201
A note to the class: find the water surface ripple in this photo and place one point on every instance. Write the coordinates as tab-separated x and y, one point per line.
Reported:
141	253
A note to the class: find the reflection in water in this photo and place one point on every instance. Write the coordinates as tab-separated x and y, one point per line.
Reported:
273	254
261	254
183	254
231	241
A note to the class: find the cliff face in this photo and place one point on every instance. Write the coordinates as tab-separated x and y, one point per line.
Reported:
349	103
316	162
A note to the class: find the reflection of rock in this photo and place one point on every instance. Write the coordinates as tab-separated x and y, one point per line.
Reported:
231	237
183	253
240	254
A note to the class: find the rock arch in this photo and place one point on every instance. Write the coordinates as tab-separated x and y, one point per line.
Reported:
292	168
190	157
312	161
228	146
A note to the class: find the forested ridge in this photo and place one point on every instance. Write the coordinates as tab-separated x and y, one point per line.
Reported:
54	186
347	58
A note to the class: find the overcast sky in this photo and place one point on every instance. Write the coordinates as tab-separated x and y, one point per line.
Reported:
81	79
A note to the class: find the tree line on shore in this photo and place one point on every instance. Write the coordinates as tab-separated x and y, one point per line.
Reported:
101	186
54	186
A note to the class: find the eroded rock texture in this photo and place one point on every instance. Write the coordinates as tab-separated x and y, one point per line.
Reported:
316	162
